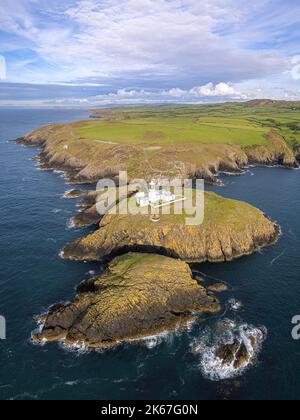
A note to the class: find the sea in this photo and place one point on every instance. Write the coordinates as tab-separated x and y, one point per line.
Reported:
262	299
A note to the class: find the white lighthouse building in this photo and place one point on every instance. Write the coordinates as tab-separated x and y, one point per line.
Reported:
156	197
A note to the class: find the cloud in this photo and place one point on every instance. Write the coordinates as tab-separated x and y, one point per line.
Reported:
2	68
149	51
219	90
141	43
90	96
200	94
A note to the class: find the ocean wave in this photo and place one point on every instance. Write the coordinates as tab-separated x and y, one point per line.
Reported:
72	383
227	332
66	194
40	323
153	341
62	254
70	224
78	348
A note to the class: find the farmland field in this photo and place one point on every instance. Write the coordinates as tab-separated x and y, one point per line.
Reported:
205	124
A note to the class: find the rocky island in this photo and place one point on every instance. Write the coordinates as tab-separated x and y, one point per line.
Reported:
148	286
138	295
230	229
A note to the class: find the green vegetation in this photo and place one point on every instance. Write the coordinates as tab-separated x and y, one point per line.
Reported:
172	129
217	209
174	141
245	124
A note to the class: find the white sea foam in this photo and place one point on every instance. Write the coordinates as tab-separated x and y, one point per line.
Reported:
72	383
155	340
66	194
40	323
278	257
70	224
56	211
79	348
226	331
91	272
235	305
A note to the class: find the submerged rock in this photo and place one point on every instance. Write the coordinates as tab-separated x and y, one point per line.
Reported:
138	295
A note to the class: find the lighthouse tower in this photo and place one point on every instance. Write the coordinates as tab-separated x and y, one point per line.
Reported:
153	195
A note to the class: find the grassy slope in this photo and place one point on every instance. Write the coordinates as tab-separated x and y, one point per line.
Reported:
217	210
243	124
176	129
177	141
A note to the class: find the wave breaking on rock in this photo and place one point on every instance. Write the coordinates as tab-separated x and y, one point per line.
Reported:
228	349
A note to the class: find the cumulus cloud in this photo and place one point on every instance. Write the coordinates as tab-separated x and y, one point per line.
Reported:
199	94
141	42
219	90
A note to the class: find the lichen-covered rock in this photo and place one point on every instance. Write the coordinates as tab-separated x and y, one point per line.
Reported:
138	295
230	230
218	288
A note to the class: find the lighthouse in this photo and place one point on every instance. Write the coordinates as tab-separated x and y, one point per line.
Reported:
153	195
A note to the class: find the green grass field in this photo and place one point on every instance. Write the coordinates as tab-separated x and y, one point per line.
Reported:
241	124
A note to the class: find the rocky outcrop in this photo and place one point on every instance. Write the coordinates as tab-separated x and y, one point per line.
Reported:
218	288
277	152
87	217
242	350
230	230
90	215
235	353
74	194
138	295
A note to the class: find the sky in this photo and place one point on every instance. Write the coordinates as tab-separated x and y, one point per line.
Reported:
113	52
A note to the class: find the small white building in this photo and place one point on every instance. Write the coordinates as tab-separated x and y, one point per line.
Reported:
142	200
155	197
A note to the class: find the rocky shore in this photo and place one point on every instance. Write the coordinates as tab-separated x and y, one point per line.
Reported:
148	286
138	295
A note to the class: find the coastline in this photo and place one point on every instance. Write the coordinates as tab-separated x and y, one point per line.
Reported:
71	168
80	172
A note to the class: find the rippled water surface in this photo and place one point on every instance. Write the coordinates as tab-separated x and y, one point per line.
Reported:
34	227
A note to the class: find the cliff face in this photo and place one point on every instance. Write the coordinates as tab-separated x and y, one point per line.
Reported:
137	296
230	230
88	161
277	152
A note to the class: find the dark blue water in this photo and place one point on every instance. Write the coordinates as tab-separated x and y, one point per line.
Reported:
33	229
